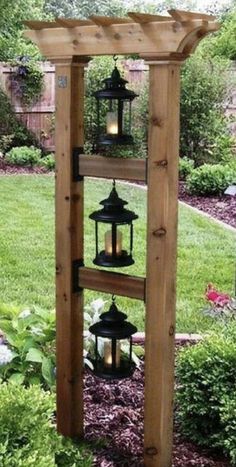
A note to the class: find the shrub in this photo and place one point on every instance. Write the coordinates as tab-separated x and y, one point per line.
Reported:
23	156
27	432
210	179
30	338
48	162
206	390
185	167
204	133
12	131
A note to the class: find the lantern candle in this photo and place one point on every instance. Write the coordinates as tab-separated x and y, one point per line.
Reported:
112	123
108	354
108	243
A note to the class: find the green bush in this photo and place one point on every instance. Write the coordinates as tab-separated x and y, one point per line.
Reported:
29	354
210	179
27	432
23	156
206	391
48	162
185	167
204	135
228	419
12	131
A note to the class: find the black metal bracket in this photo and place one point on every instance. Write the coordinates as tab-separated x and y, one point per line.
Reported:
75	164
76	265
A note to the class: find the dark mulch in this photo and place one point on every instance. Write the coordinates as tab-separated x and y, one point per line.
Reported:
221	207
7	169
114	420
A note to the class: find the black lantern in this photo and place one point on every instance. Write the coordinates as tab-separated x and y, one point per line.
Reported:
113	344
114	104
114	213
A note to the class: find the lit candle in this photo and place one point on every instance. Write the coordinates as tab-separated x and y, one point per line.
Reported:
112	123
108	354
108	243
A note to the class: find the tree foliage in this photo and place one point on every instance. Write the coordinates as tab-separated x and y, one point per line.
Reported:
13	13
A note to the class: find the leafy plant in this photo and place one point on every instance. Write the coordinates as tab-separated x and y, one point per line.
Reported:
185	167
210	179
12	131
205	87
206	389
23	155
27	80
48	162
30	339
27	431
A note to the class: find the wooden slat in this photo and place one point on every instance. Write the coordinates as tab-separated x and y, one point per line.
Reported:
72	23
69	81
144	18
108	21
38	25
163	142
112	167
182	15
156	38
112	282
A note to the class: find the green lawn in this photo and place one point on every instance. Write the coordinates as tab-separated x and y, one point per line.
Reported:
205	252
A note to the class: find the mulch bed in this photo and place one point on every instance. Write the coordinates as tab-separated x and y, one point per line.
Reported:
114	424
7	169
222	207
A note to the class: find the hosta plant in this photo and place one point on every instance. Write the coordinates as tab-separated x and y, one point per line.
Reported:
27	352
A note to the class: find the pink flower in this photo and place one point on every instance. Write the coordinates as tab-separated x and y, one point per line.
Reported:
217	298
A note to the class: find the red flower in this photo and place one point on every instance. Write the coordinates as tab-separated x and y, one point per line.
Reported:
217	298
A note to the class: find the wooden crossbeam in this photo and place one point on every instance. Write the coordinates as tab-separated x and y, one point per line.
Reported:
73	23
38	25
112	167
112	282
125	38
144	18
182	15
105	21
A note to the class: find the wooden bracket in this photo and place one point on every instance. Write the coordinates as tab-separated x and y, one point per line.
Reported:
75	164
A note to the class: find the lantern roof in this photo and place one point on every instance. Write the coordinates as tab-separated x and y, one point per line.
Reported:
113	210
115	88
113	324
174	36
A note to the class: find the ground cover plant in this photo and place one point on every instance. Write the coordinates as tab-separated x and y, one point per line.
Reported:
205	250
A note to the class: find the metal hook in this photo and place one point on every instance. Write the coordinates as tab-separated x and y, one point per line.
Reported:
115	58
113	298
114	183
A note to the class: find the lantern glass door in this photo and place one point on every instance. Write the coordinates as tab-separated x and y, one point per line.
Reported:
114	244
113	358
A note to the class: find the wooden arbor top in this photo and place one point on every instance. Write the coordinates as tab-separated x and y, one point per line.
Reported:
151	36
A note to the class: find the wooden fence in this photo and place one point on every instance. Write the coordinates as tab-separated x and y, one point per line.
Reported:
40	117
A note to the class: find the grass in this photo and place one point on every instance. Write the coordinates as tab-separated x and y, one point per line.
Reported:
205	249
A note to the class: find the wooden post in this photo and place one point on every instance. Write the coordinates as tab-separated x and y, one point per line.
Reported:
69	246
161	260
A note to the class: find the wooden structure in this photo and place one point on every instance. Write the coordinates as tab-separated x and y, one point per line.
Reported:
164	42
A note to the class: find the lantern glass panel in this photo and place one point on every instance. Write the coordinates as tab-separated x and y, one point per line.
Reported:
114	358
104	238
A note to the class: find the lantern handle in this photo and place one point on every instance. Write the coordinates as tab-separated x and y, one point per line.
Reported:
113	298
114	183
115	58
